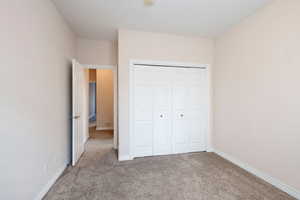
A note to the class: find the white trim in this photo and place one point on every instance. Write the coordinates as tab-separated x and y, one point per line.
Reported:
92	125
131	104
115	107
209	111
133	62
104	128
275	182
125	158
47	187
167	63
99	66
86	139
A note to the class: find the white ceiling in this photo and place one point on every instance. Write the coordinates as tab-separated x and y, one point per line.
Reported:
100	19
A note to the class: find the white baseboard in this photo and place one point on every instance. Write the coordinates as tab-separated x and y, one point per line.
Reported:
124	158
104	128
86	139
47	187
209	149
275	182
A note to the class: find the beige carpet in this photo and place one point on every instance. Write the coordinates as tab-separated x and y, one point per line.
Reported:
196	176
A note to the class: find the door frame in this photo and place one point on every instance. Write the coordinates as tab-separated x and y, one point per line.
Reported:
115	85
157	63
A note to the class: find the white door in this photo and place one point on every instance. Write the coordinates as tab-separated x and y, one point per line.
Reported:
196	112
170	108
77	111
181	139
162	113
152	111
143	112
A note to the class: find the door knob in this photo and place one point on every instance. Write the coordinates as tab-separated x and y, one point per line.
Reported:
181	115
161	116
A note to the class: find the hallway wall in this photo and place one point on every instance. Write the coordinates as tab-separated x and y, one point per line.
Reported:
105	99
36	47
92	75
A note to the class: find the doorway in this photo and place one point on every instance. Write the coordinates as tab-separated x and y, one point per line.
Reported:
101	101
92	98
94	109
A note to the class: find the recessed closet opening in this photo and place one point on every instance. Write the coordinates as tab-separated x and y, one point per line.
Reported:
169	108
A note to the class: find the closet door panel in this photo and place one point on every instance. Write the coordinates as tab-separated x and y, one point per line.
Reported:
162	130
143	139
162	133
181	136
179	97
197	130
197	109
195	95
170	110
143	112
143	102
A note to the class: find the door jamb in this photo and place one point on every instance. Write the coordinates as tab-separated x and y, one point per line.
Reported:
115	82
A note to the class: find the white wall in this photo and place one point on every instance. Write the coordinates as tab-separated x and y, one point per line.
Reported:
36	49
98	52
256	96
152	46
105	99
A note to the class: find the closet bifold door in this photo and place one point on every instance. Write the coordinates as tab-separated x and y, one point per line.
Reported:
181	137
170	110
152	92
143	111
197	108
189	110
162	105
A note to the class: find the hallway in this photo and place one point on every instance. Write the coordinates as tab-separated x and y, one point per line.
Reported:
99	143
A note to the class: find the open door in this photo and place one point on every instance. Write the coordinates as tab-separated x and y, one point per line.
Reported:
77	111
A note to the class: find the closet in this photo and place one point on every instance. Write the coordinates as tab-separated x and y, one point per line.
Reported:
169	110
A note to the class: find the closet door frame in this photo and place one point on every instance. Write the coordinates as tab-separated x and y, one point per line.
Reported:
134	63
